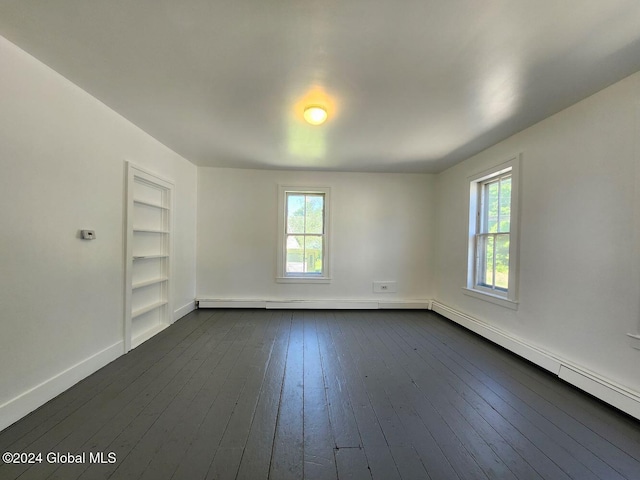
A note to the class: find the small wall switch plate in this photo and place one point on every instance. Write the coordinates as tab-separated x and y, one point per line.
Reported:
384	287
634	340
88	234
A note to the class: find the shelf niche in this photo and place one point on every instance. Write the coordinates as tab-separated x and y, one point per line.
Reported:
148	256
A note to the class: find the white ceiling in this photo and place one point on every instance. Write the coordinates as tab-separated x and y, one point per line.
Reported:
411	85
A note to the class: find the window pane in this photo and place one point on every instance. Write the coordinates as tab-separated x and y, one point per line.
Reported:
295	213
502	262
485	261
505	204
315	214
295	254
313	254
491	207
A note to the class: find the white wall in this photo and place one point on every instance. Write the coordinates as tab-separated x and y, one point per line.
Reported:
62	155
579	250
381	230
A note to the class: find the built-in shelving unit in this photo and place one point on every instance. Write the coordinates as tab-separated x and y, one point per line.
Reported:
148	283
148	256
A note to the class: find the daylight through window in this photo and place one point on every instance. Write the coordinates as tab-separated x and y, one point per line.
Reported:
304	239
493	237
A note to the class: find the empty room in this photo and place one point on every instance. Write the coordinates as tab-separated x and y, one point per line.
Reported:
320	240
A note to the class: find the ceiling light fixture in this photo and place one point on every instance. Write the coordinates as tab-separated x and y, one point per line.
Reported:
315	114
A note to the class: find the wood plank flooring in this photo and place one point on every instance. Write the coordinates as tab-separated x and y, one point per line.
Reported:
376	395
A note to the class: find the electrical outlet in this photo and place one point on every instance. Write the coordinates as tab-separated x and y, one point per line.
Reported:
384	287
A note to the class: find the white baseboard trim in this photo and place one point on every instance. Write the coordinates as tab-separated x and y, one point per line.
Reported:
184	310
324	304
26	402
230	303
311	304
147	334
600	387
511	343
408	304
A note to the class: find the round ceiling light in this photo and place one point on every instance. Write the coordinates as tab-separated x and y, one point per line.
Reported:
315	114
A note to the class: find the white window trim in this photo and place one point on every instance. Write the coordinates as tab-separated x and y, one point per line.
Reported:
281	275
489	297
510	298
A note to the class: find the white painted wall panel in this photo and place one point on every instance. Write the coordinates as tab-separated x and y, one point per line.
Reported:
62	157
381	230
579	251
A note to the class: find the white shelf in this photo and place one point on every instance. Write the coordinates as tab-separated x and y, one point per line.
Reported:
149	282
148	308
144	257
149	230
149	204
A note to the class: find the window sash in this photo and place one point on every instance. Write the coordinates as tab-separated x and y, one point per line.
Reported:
304	234
305	197
302	268
485	264
483	204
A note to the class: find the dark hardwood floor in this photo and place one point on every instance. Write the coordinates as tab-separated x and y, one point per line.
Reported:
257	394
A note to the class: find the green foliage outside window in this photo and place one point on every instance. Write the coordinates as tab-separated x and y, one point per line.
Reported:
497	219
305	229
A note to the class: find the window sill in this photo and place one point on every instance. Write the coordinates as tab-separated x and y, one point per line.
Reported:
487	297
303	280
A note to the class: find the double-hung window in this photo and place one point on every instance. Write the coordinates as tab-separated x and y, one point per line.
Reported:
493	207
494	233
303	235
